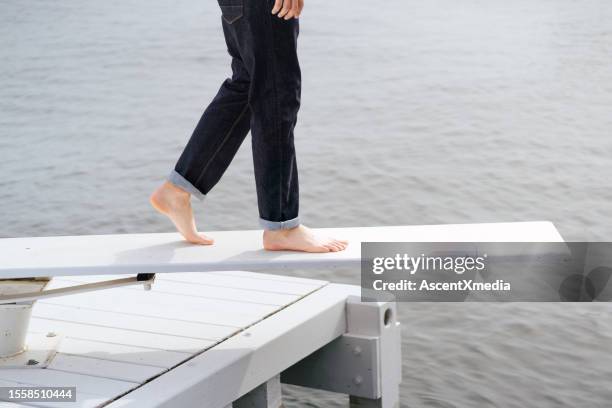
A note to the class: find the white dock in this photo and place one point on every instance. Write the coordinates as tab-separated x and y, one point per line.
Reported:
224	338
200	340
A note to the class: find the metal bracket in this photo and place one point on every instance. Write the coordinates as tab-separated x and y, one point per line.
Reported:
365	362
348	365
39	353
145	279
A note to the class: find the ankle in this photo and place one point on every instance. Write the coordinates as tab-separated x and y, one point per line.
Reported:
280	232
174	190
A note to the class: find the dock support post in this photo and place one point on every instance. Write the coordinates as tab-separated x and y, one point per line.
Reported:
364	363
267	395
379	320
359	402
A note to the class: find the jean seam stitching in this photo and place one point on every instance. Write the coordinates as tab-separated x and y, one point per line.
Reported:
276	116
225	139
236	18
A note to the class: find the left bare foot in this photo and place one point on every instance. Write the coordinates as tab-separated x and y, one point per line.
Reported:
300	238
176	205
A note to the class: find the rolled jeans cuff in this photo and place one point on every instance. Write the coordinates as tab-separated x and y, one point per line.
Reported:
279	225
182	183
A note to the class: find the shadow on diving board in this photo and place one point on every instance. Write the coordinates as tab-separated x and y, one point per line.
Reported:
233	250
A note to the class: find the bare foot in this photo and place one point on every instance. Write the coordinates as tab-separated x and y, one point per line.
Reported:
300	238
176	204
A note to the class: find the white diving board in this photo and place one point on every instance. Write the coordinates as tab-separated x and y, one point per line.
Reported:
233	250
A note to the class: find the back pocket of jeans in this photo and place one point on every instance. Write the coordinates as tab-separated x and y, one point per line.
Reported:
231	10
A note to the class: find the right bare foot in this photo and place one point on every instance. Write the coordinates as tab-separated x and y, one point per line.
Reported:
176	204
301	238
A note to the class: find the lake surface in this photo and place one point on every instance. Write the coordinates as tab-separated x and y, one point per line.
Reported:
413	112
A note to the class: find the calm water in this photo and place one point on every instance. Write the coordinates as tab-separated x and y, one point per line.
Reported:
438	111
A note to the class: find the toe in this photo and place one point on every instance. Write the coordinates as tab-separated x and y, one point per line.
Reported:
335	245
343	244
322	248
339	245
206	240
200	239
332	247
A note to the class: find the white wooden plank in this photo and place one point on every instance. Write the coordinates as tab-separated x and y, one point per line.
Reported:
12	405
227	281
103	387
204	291
83	400
265	276
222	280
121	353
6	404
167	252
189	276
175	306
120	336
230	307
227	371
169	306
123	320
211	315
104	368
221	293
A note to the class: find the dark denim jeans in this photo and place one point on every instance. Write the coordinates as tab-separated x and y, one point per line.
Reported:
262	96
